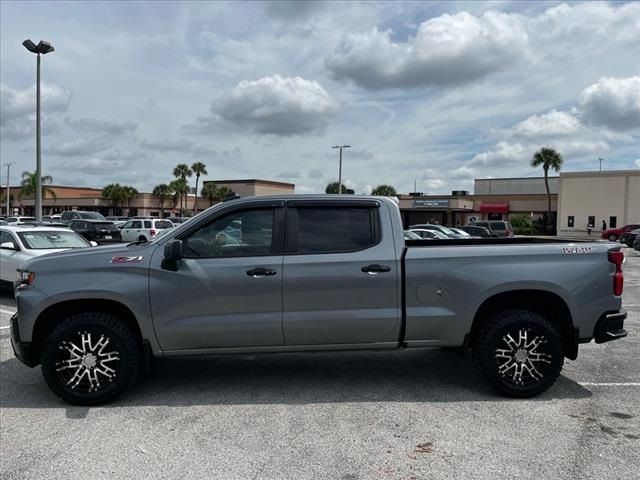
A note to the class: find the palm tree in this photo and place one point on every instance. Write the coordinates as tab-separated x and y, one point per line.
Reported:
224	192
549	158
129	193
333	188
180	187
28	184
181	172
210	192
115	193
385	191
162	192
198	168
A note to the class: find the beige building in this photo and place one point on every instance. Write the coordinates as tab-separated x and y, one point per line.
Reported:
58	199
593	197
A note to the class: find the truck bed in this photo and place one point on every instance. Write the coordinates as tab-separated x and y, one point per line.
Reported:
492	241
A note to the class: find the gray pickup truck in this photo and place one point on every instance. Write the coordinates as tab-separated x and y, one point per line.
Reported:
309	273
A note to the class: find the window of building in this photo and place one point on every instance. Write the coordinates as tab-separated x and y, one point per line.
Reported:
571	221
494	216
591	220
613	222
336	229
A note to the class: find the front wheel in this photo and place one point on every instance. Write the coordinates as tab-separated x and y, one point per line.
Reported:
90	358
613	238
519	353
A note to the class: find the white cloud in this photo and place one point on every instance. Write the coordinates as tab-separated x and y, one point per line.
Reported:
612	102
111	127
450	49
637	163
548	125
80	147
277	105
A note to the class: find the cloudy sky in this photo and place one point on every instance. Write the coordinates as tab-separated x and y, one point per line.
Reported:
436	92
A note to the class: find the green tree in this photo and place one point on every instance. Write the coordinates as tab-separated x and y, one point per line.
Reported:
548	158
181	172
115	194
210	192
198	168
28	185
180	188
224	192
385	191
333	188
129	193
163	193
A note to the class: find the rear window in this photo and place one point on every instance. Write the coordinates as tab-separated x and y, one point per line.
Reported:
162	224
91	216
336	229
498	226
105	226
147	224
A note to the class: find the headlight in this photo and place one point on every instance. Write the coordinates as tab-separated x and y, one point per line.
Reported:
26	277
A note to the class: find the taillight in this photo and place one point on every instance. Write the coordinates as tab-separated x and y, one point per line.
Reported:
152	232
617	257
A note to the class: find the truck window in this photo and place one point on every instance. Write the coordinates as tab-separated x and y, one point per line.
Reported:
336	229
499	226
237	234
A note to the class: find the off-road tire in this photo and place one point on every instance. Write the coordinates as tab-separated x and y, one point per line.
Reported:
125	364
489	353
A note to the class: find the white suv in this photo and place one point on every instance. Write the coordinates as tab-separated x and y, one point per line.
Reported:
143	229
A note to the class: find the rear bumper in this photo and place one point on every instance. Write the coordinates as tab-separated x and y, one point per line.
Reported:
22	350
610	327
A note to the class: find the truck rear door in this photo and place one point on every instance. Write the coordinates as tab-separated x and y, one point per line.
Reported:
341	276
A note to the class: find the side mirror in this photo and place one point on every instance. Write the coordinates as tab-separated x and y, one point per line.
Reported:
172	255
93	244
8	246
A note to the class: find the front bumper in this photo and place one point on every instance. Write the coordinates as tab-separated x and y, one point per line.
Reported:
610	327
22	350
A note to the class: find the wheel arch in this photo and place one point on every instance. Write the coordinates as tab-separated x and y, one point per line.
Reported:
548	304
45	322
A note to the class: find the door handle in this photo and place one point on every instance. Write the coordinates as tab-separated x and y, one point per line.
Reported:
375	269
261	272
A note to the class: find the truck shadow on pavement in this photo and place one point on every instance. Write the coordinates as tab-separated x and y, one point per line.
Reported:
424	375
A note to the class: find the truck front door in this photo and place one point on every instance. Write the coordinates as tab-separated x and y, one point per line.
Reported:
341	277
227	291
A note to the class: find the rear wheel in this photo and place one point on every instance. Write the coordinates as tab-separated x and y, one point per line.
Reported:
613	238
519	353
142	238
90	358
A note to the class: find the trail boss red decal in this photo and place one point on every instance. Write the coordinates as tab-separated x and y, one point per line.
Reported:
126	259
574	250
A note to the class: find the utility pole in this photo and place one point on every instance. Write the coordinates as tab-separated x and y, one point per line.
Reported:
600	160
340	167
41	48
8	189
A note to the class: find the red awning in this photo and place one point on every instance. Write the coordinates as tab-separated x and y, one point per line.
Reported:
494	208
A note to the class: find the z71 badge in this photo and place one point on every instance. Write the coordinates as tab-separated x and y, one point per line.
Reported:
573	250
126	259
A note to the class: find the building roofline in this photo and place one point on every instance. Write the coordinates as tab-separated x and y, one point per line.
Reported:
514	178
603	173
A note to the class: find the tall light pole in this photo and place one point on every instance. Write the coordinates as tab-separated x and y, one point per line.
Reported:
8	189
41	49
340	167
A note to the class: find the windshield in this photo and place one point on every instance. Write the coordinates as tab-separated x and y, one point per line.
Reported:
44	240
91	216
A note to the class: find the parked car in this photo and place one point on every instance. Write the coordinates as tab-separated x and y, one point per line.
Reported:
178	220
460	232
497	227
426	234
56	218
636	243
409	235
81	215
20	243
99	231
2	222
316	272
446	231
143	230
476	231
629	237
613	234
20	220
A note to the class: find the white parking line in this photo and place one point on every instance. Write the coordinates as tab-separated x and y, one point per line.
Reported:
10	312
609	384
4	328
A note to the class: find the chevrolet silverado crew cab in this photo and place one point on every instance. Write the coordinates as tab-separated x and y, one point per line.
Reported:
308	273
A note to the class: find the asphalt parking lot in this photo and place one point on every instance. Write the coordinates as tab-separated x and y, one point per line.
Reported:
402	415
